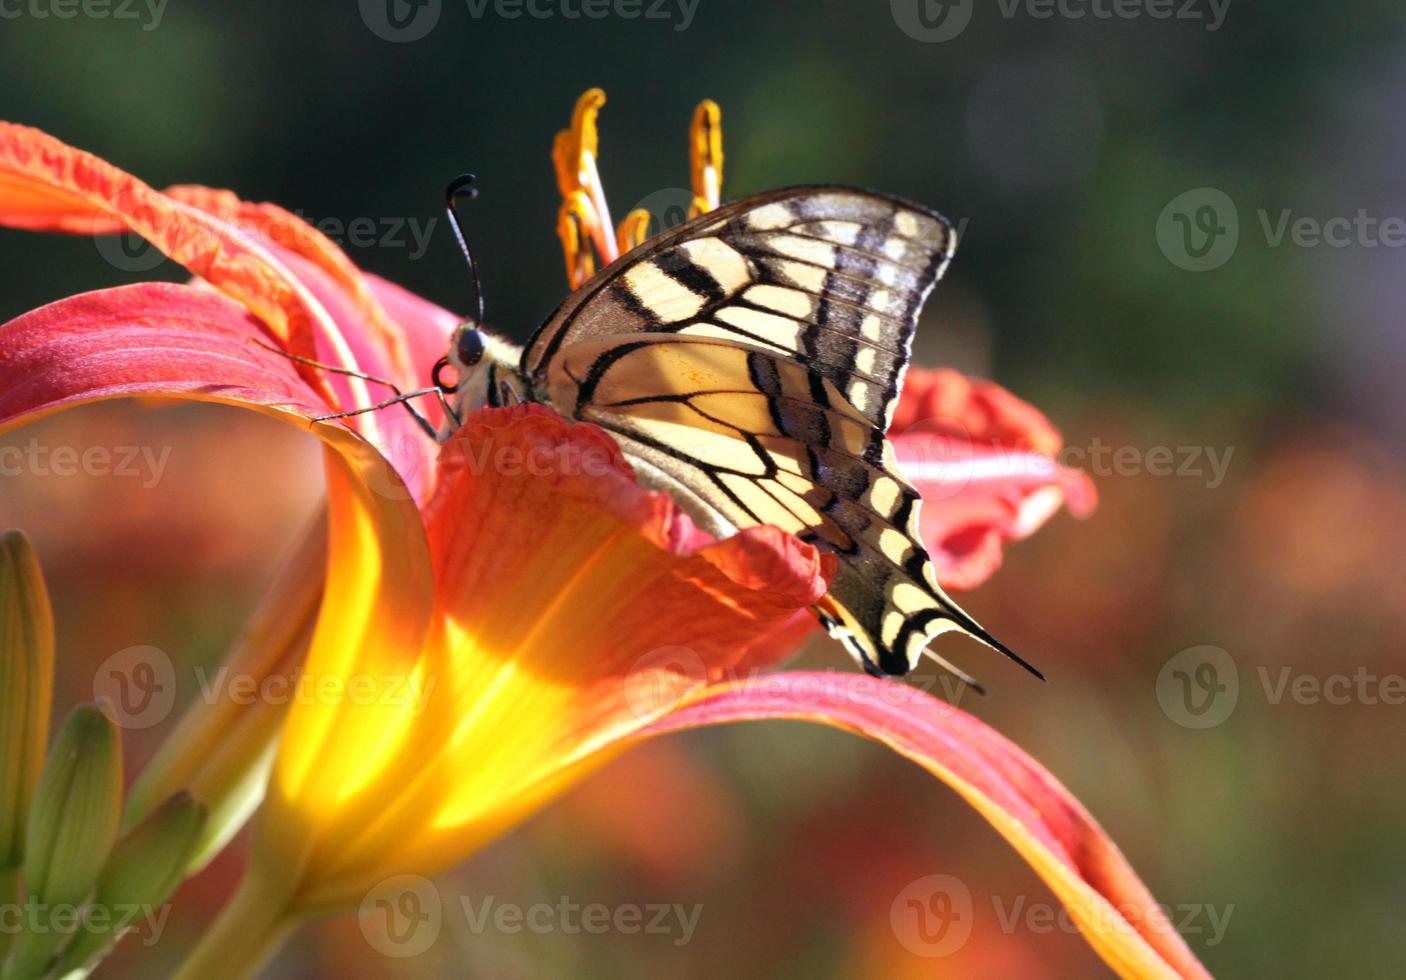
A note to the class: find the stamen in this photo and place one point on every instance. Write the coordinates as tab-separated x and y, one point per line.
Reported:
705	157
574	220
583	222
633	230
574	158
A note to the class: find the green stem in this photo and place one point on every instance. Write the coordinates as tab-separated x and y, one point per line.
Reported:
36	947
251	927
9	898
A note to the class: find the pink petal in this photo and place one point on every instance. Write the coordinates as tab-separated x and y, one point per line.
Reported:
984	462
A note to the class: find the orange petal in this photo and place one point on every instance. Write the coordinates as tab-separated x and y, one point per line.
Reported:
575	606
309	295
47	185
291	233
1035	814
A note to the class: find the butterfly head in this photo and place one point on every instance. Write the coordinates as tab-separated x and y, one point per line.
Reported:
485	369
467	347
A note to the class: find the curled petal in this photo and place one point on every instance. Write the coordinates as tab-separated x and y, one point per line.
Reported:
983	461
947	402
977	498
171	341
1039	818
47	185
149	339
364	317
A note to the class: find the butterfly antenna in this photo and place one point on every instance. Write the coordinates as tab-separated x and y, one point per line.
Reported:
462	187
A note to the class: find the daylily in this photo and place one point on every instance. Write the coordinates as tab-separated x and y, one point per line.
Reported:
499	615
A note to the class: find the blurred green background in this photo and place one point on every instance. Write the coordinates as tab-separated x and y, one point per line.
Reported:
1060	144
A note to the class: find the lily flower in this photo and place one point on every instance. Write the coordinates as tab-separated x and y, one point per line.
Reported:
485	622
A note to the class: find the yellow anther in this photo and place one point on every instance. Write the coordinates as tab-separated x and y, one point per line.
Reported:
705	156
574	224
633	230
583	120
564	162
573	146
584	221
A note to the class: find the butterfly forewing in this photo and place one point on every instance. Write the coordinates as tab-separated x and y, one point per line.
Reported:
749	361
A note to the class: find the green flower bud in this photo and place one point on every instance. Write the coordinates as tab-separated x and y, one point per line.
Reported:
77	805
72	824
150	861
144	869
26	690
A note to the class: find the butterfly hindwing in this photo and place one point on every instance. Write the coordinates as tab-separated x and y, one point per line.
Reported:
749	361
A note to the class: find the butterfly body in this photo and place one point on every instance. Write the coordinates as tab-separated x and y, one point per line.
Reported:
748	362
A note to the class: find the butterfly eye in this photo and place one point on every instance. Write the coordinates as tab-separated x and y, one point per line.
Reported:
469	347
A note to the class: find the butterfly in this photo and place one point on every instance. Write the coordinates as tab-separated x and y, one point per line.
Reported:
748	362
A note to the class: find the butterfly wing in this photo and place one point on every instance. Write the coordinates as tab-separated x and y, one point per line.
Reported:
749	361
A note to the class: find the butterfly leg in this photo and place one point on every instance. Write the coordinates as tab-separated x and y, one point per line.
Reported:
508	393
401	398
